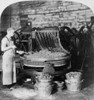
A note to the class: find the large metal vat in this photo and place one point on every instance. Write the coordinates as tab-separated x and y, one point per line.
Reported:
49	50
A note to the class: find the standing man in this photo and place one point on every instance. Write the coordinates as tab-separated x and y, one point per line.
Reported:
8	63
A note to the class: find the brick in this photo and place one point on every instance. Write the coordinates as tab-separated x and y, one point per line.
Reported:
39	19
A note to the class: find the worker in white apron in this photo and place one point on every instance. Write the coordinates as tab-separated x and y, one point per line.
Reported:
8	63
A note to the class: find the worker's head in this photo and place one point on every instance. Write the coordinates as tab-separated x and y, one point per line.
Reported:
85	29
10	32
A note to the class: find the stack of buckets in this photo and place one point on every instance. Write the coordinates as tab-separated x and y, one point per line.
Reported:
73	80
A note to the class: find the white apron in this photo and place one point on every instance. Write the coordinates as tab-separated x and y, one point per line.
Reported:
8	67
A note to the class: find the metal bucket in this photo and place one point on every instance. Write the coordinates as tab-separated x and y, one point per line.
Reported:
73	81
44	88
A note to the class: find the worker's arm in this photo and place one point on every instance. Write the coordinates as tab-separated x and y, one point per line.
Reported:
4	46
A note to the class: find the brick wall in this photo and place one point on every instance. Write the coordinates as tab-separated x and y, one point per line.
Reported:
52	13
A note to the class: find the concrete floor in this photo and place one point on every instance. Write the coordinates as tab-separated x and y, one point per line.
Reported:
86	92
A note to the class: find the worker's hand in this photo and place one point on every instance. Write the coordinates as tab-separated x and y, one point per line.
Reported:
13	47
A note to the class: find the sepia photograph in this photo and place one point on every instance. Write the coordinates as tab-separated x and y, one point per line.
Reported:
46	50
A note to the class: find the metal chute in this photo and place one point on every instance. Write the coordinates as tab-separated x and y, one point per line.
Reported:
48	38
